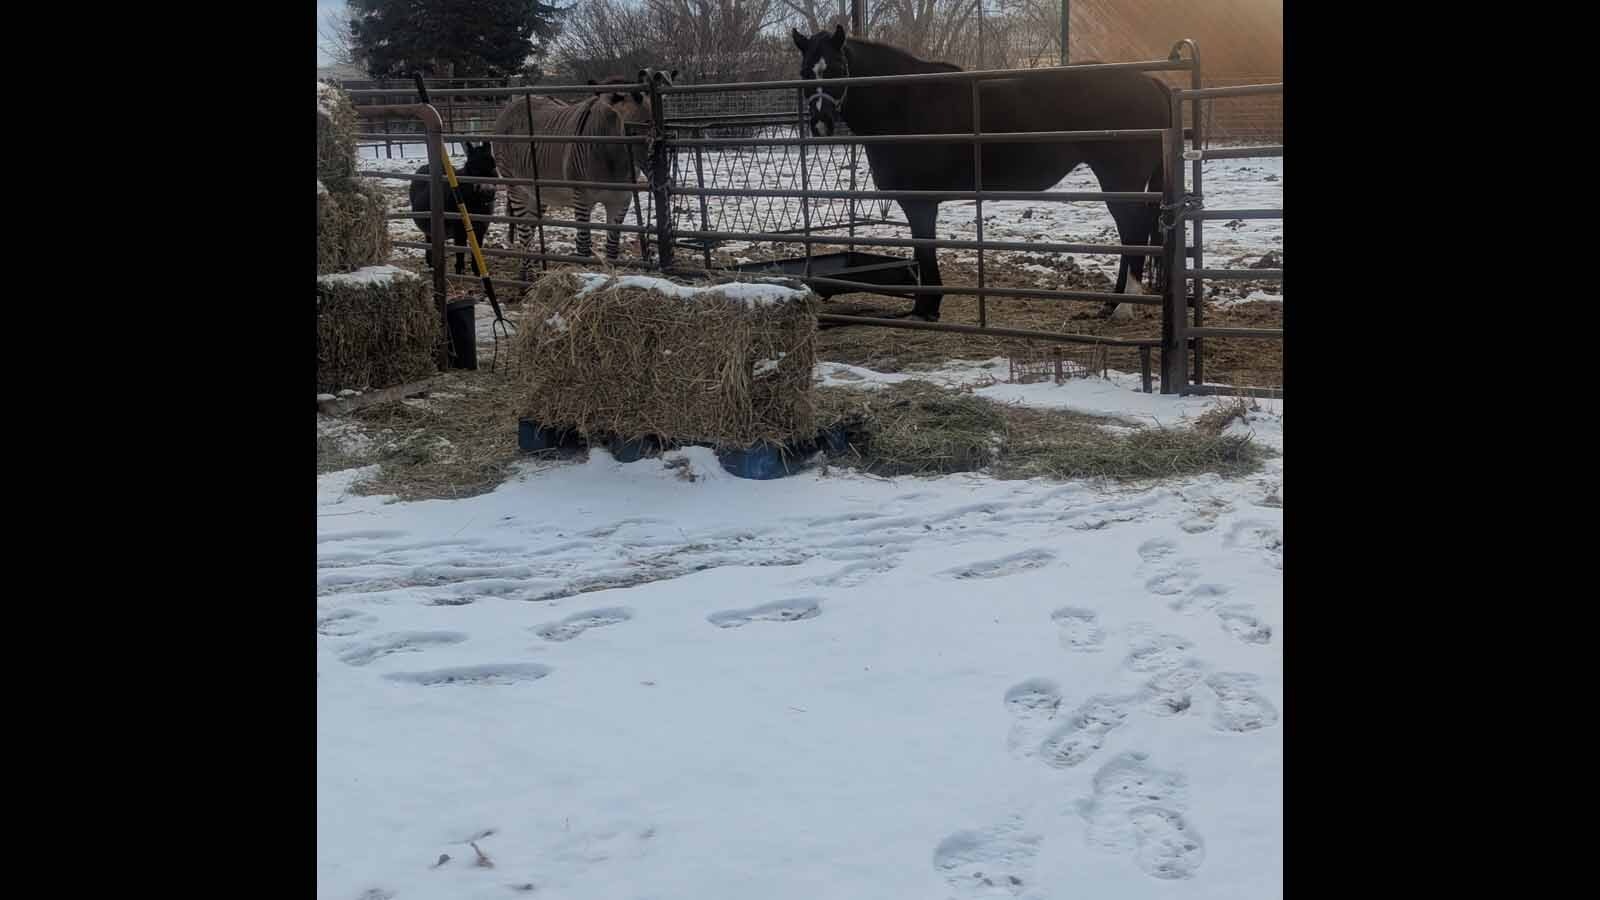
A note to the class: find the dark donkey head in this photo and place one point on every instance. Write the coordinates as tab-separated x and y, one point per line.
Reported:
480	161
822	56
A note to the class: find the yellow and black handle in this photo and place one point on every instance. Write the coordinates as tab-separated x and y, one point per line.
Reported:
461	207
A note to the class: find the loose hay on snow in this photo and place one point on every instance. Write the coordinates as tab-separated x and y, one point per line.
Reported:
376	328
914	428
351	230
917	428
728	365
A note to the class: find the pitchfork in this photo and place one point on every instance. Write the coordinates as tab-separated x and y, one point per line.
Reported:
500	326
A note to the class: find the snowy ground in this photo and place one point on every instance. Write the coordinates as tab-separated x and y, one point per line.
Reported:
621	683
1227	184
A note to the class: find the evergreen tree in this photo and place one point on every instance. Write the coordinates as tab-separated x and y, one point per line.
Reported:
451	38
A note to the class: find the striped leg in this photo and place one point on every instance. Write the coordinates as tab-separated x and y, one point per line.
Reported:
513	209
527	245
580	214
614	238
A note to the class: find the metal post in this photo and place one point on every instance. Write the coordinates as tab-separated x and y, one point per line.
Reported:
1066	15
851	247
805	182
538	197
660	178
977	185
441	294
700	179
1174	316
1199	242
981	4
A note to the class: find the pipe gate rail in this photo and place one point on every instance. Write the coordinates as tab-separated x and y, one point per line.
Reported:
1180	286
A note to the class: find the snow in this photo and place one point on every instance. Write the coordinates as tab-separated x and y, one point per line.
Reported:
750	293
369	275
327	98
321	188
621	682
1252	297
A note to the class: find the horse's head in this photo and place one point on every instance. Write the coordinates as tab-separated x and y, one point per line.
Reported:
480	160
822	57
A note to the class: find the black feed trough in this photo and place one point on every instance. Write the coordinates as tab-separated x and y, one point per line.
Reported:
869	268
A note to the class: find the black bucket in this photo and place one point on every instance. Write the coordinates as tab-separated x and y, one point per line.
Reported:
463	334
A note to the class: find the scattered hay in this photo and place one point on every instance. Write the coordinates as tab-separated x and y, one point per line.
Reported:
728	365
1062	445
376	328
352	232
1217	419
460	441
336	138
916	428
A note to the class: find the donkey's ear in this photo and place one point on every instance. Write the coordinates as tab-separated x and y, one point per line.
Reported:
838	37
673	76
644	77
800	40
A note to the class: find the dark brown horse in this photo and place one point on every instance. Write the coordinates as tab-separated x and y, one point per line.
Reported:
1054	99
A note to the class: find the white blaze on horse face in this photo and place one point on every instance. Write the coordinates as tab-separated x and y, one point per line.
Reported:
819	68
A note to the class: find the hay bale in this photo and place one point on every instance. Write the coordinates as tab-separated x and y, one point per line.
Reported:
728	365
352	232
336	138
376	328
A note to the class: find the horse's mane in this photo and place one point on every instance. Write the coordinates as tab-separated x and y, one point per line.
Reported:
904	56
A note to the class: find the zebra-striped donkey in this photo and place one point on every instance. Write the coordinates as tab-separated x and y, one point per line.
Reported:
605	114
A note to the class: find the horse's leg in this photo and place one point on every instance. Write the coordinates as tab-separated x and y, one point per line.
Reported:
922	216
458	236
1135	221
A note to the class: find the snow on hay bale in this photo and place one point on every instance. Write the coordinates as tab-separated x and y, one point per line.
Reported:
376	328
352	232
336	138
634	356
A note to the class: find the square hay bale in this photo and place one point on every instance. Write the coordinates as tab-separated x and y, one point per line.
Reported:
336	137
376	328
352	232
728	365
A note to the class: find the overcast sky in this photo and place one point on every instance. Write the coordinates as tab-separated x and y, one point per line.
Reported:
324	9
